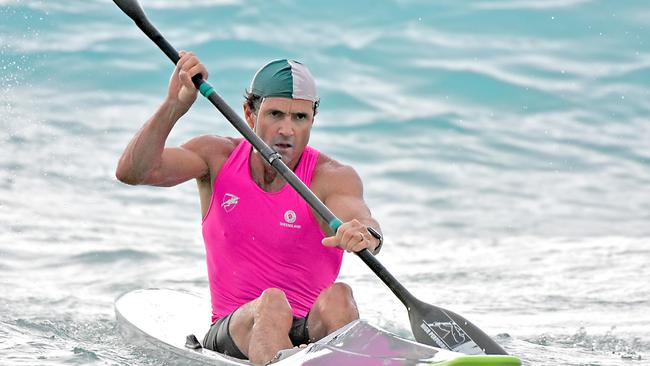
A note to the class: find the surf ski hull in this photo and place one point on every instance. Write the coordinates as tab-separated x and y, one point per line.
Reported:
160	320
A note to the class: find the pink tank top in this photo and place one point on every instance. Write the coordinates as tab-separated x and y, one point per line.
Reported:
255	240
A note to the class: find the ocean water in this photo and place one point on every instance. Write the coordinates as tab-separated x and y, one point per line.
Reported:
504	146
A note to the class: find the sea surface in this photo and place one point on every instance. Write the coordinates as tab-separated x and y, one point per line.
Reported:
504	146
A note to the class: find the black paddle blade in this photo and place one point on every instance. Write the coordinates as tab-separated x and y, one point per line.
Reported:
445	329
131	8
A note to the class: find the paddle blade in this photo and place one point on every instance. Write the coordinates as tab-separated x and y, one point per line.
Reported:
445	329
131	8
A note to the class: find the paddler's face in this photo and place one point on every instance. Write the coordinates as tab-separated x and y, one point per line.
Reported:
284	124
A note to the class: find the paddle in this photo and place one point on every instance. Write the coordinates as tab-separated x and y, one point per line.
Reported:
430	324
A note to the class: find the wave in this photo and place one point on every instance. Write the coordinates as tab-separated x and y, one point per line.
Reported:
111	256
630	348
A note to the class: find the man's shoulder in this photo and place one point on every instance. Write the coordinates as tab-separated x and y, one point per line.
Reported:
328	166
212	145
330	173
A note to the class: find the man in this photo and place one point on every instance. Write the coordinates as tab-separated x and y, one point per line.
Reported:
271	267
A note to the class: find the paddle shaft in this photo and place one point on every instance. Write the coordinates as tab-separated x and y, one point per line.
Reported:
414	306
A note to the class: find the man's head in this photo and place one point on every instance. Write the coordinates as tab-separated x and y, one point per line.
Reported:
280	107
282	78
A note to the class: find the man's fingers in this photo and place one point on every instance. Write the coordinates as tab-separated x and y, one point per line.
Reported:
335	240
330	241
189	65
361	244
351	236
358	248
186	79
185	56
187	61
199	69
348	236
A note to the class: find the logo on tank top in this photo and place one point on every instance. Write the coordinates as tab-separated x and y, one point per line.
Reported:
289	219
229	202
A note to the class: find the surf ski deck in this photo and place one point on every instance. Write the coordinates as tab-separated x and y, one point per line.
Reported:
160	320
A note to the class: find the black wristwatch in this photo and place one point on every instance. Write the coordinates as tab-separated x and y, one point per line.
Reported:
378	236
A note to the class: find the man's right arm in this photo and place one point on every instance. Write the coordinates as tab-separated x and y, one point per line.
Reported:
146	160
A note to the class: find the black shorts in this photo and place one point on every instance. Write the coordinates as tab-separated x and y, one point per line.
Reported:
218	337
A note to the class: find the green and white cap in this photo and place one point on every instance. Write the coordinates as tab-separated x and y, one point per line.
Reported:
286	79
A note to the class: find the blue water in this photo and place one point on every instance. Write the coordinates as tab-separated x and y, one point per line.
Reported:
504	146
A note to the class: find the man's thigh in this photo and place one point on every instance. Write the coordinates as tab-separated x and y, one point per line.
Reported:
219	339
241	323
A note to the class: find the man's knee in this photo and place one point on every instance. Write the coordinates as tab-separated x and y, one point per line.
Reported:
339	296
334	308
339	290
273	304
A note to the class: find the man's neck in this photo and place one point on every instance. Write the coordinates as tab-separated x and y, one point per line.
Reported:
264	175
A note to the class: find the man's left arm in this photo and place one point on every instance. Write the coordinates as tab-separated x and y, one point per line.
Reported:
345	199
